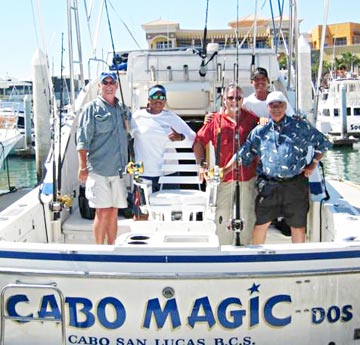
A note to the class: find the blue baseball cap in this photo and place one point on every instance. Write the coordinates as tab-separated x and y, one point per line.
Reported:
157	89
105	75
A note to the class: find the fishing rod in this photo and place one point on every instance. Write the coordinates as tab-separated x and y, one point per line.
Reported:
203	53
124	109
60	115
237	223
219	134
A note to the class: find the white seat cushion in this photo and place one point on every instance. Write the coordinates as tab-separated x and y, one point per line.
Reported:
177	196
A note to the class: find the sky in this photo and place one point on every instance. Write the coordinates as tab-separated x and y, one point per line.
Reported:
28	25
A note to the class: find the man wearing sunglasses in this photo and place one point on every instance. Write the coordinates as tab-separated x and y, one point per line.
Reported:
232	121
103	151
152	128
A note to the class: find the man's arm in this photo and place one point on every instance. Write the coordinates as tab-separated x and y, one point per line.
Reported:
199	151
83	172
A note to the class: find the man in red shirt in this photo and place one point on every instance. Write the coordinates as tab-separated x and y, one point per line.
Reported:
232	119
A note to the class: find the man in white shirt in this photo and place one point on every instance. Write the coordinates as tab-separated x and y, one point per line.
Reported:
256	102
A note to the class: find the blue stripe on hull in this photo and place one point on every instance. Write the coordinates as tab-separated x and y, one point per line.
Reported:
331	255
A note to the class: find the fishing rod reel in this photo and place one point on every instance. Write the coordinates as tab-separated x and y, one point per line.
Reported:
236	225
60	203
215	174
135	169
213	177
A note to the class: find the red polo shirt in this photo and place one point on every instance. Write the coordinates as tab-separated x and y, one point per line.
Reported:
209	132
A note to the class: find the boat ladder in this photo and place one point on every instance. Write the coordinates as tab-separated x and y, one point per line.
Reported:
21	285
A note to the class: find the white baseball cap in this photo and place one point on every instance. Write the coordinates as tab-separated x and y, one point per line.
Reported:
275	96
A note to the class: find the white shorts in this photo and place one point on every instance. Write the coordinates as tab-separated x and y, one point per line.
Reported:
106	191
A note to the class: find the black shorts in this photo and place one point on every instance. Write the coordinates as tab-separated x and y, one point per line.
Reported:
288	199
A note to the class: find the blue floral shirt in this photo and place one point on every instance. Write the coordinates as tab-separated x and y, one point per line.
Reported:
282	147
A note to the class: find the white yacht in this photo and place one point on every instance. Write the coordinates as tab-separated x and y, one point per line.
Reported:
168	280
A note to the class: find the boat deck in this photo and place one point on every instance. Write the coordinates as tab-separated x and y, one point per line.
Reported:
348	190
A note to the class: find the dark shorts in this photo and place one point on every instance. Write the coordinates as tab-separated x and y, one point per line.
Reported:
288	199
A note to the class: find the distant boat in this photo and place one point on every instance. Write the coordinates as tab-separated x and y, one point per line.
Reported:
12	89
339	110
10	135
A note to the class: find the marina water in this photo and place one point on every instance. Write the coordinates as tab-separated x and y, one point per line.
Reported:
343	162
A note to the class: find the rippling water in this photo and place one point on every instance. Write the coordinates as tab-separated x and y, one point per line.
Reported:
341	162
344	162
21	173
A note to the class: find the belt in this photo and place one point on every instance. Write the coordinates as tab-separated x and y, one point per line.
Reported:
283	179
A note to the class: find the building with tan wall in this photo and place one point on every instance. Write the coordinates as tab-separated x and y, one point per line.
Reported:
340	38
164	34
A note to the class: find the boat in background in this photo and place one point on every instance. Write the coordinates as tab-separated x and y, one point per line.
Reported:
13	94
10	134
12	89
168	280
339	110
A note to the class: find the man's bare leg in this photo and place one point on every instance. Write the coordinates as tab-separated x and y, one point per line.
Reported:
105	225
259	233
297	235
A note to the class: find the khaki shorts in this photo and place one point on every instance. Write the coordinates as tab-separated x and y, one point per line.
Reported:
106	191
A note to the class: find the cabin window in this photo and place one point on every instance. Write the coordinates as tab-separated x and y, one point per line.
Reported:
356	111
336	111
348	111
326	112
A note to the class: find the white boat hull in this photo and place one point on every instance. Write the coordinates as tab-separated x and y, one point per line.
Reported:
228	296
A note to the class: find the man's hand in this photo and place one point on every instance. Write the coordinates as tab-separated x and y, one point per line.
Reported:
308	170
83	175
175	136
208	118
263	121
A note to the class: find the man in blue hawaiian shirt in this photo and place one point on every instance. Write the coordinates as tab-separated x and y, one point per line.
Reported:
282	182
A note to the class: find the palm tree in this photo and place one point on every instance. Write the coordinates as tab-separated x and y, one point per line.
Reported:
350	60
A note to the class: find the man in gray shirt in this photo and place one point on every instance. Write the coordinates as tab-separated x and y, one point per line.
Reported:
103	152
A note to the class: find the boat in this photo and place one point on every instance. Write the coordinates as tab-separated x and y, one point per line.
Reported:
15	101
10	134
339	110
168	280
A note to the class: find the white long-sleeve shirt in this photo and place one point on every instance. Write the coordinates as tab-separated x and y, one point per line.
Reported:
150	132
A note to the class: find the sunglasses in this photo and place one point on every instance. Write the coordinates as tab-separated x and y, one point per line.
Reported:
231	98
160	97
112	82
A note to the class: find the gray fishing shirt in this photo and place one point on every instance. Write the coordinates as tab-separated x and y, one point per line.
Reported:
102	133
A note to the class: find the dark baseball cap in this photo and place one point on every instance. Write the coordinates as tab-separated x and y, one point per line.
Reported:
260	72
